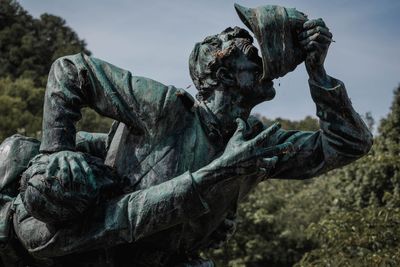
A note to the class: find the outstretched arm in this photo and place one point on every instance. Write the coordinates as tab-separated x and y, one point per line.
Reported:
343	137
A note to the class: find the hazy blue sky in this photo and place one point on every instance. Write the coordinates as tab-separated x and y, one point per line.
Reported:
154	39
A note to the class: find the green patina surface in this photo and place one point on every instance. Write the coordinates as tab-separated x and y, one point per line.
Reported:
165	182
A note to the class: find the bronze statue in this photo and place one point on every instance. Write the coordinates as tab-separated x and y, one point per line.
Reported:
165	182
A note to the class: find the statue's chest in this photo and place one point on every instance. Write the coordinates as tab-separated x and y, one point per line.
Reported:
143	162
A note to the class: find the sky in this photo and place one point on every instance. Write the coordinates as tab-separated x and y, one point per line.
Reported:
154	38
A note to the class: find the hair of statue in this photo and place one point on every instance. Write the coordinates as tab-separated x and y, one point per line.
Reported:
209	55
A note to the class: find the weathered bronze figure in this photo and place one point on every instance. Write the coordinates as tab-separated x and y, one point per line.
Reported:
165	182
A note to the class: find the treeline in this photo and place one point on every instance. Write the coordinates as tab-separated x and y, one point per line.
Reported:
348	217
28	46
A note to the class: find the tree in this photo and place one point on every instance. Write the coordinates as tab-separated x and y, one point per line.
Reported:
20	107
363	226
389	127
93	122
307	124
28	46
366	237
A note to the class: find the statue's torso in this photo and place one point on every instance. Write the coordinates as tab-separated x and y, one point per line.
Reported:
144	162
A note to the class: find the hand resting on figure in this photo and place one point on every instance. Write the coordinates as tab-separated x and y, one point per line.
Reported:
60	187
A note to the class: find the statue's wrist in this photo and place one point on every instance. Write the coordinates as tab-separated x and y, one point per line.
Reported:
318	75
210	174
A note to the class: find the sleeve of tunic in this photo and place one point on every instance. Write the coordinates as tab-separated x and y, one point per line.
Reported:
78	81
343	137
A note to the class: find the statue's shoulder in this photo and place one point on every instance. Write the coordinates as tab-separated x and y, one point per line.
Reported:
151	95
164	99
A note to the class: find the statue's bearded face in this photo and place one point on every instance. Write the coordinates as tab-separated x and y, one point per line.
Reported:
245	67
229	61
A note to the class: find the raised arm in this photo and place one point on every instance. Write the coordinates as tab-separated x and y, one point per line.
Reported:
147	107
343	137
78	81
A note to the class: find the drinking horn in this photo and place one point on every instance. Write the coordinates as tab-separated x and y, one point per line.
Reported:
276	29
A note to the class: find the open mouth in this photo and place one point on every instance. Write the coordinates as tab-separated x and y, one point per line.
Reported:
252	54
249	50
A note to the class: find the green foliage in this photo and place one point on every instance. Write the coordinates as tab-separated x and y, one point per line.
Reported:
307	124
369	181
366	237
93	122
270	232
389	128
28	46
20	107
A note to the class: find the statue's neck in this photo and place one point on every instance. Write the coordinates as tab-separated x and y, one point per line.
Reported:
227	107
